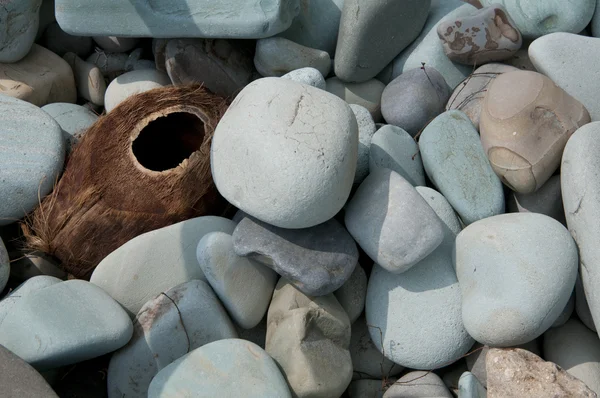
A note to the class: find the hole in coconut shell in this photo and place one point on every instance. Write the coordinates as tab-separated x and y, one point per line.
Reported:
167	141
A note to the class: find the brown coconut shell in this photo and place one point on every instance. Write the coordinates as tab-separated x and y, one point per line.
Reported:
143	166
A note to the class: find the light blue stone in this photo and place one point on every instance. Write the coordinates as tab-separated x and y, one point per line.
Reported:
73	119
224	368
31	285
470	387
445	212
428	48
65	323
19	21
535	18
366	129
32	152
455	162
224	19
310	76
393	148
4	265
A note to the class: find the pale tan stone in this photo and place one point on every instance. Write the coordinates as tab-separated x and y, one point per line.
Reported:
525	123
90	82
40	78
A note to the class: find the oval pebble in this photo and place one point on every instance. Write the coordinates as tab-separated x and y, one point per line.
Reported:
131	83
310	76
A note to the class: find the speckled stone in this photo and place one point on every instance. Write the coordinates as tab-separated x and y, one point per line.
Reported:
455	162
310	76
132	83
73	119
32	152
352	294
19	20
19	380
393	148
366	129
316	260
367	94
276	56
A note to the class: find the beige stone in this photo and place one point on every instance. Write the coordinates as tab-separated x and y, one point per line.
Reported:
525	123
90	82
512	372
40	78
309	337
469	94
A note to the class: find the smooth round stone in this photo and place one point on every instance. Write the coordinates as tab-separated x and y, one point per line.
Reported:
110	64
5	266
32	152
145	274
581	306
525	123
445	212
276	56
516	273
418	384
90	81
567	59
468	96
20	20
40	78
576	349
487	35
299	148
580	185
391	222
73	119
316	260
114	44
132	83
415	97
224	368
372	33
546	200
367	94
366	129
309	337
317	25
310	76
534	18
65	323
367	361
470	387
428	49
365	388
19	380
10	301
167	327
353	293
243	285
219	64
393	148
59	42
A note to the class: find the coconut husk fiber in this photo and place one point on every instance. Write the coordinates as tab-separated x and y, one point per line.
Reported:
143	166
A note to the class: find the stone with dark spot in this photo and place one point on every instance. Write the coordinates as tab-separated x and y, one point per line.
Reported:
167	327
19	380
484	36
316	260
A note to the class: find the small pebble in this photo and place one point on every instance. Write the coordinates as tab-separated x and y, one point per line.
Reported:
310	76
132	83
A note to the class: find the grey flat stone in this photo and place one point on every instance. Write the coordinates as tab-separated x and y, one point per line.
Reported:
19	380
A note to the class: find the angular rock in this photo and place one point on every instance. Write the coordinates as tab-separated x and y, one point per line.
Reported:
546	200
19	20
41	78
372	33
366	129
114	44
367	94
136	273
516	270
391	222
525	123
299	330
393	148
167	327
132	83
353	293
5	266
32	152
221	66
255	373
455	162
427	48
309	76
276	56
567	59
535	19
243	285
90	81
19	380
470	387
414	98
73	119
299	149
65	323
59	42
196	18
485	36
316	260
468	96
513	372
418	384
